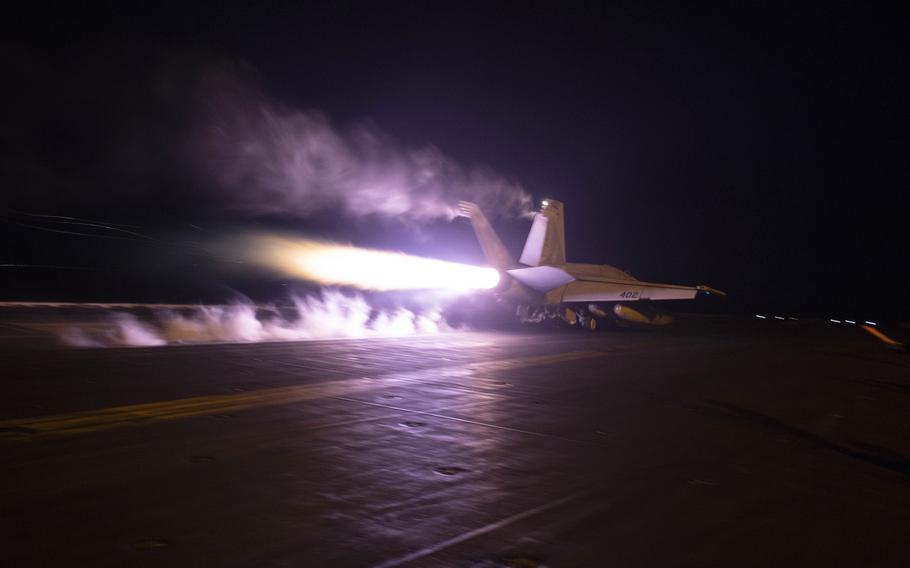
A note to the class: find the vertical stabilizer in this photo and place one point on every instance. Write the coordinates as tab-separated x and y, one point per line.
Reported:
496	253
546	244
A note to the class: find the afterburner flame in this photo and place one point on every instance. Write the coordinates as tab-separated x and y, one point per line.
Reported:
344	265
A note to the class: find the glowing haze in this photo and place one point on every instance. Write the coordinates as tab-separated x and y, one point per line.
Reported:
269	158
367	269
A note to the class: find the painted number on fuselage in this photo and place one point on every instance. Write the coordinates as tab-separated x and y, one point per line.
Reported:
630	295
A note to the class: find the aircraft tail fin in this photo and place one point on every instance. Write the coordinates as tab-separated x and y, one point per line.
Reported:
546	244
496	252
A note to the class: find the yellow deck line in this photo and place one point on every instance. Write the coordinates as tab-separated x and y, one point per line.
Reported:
114	417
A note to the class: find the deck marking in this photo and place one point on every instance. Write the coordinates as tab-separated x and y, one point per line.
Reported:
107	418
433	549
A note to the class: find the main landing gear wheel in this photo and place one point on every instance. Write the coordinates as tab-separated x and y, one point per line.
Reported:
591	324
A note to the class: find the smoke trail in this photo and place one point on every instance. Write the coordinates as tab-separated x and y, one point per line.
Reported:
271	159
328	316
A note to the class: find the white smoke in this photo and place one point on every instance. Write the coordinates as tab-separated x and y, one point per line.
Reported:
328	316
270	159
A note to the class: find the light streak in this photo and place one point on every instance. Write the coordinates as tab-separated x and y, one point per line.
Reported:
367	269
882	337
760	316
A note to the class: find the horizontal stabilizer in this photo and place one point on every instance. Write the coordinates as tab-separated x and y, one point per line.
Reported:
541	278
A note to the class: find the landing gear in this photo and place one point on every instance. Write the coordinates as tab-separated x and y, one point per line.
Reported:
536	314
582	318
590	323
567	315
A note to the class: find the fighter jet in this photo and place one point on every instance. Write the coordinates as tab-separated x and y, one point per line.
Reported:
546	287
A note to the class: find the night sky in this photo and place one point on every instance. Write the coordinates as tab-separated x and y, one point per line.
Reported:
759	149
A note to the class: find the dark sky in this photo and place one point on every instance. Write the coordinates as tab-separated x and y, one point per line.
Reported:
758	148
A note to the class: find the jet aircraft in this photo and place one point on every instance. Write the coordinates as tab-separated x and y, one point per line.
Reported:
546	287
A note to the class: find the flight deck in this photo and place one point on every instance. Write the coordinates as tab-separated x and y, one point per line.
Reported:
718	441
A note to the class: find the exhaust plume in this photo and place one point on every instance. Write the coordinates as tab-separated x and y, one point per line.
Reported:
271	159
366	269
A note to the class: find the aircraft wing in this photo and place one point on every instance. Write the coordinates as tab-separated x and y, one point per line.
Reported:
630	290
